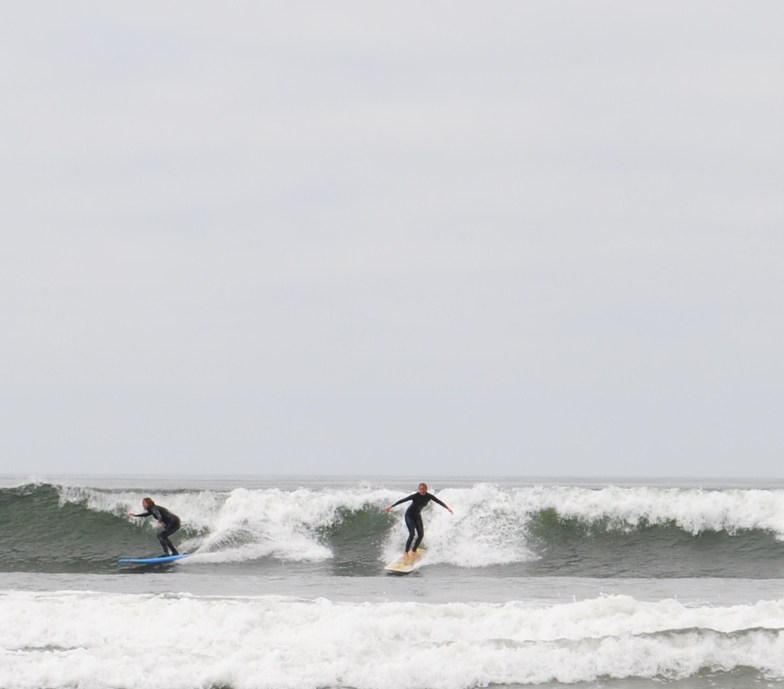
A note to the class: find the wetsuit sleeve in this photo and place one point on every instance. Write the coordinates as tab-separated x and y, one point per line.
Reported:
144	514
402	500
435	499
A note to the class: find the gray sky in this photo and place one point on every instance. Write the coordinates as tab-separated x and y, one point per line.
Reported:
532	238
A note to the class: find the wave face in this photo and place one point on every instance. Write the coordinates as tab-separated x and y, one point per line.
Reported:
343	529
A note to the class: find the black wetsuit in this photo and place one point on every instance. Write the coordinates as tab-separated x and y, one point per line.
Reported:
414	516
171	523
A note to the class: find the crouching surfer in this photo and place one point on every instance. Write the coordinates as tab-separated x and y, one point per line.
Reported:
167	521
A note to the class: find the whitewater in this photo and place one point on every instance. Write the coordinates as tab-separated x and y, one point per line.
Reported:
529	584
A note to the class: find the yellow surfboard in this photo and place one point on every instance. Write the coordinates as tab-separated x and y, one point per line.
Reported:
403	566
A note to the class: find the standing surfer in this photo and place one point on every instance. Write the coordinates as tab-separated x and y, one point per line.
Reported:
167	521
414	516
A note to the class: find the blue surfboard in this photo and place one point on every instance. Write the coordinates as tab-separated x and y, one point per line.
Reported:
150	560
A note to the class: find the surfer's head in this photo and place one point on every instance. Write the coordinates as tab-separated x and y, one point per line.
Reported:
423	488
147	503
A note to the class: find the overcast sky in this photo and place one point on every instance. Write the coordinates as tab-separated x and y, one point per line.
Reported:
529	238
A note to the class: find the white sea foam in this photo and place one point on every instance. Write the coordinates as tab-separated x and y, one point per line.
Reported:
96	640
487	527
245	524
693	510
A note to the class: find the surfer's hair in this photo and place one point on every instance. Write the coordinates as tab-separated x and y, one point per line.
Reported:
423	485
148	500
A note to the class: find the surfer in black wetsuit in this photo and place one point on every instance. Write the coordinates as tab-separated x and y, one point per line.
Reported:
168	521
414	515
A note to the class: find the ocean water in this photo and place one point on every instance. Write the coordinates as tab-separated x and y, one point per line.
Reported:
540	583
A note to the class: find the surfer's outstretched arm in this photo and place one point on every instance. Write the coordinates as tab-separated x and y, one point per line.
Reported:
443	504
400	502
